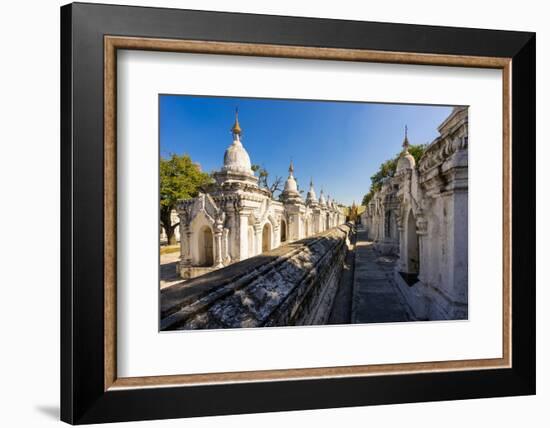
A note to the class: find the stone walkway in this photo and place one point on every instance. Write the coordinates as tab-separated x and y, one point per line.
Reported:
375	296
169	269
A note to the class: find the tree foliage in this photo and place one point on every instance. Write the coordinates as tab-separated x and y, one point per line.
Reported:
417	150
180	178
387	169
367	198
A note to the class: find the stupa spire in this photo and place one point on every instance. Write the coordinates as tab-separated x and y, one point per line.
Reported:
311	196
236	129
406	141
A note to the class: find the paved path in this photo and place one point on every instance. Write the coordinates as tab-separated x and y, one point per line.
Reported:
375	296
169	269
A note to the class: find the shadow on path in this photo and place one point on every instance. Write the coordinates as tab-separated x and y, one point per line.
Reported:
169	271
341	308
375	295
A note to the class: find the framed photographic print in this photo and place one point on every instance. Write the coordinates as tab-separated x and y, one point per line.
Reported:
265	213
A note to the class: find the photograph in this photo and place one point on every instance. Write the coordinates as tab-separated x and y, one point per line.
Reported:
292	212
267	209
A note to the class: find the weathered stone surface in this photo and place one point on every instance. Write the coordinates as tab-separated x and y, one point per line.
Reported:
375	295
294	284
236	218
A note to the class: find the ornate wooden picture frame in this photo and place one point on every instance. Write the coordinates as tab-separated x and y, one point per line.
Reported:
91	390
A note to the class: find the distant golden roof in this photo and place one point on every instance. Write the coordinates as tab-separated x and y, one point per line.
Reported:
359	208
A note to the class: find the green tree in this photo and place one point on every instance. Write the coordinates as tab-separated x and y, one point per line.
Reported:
387	169
367	198
417	150
180	178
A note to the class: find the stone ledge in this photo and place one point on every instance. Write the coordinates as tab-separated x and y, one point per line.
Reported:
293	284
428	304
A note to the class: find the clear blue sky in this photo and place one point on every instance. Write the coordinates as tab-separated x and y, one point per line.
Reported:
339	144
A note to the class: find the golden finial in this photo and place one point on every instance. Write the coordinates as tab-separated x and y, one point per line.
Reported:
236	129
291	168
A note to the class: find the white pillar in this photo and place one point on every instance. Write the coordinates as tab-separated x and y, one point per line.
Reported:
402	262
225	245
257	239
243	237
218	249
276	236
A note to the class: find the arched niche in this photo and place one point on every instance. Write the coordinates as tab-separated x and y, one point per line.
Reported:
206	247
283	231
266	237
250	242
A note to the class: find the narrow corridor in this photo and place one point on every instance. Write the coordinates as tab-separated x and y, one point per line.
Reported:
375	295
